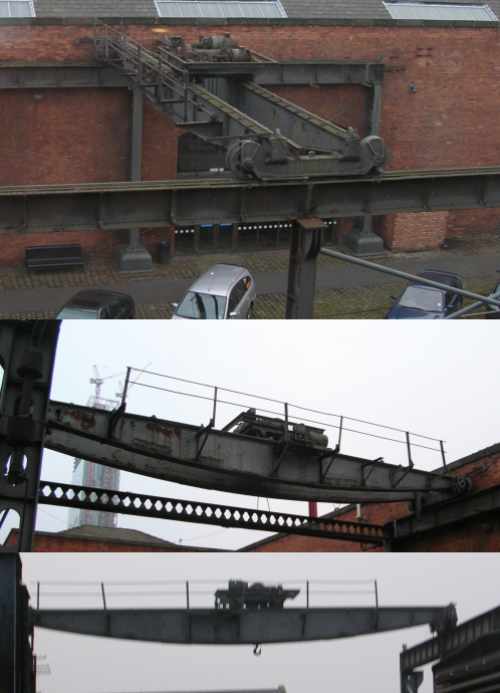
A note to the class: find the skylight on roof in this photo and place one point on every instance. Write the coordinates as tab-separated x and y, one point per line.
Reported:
440	11
16	8
221	9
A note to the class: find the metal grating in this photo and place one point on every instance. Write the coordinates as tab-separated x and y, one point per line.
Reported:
16	8
222	9
440	12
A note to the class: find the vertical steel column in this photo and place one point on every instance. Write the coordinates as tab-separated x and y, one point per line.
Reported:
17	670
376	109
304	249
135	256
363	240
27	353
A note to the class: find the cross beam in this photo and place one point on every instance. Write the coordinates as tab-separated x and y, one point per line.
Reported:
88	75
224	461
126	503
120	205
227	627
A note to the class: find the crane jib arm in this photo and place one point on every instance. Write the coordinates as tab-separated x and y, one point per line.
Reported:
228	461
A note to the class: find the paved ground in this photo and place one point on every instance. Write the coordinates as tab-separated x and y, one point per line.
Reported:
343	291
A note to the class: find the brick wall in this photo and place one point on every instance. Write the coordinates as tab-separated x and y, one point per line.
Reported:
423	231
451	120
479	534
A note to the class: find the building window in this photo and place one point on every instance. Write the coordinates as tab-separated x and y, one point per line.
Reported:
16	8
223	9
440	11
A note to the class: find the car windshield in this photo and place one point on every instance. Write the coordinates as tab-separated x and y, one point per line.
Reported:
423	298
202	306
77	313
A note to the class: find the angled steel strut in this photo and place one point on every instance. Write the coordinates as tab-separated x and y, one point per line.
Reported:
229	461
265	136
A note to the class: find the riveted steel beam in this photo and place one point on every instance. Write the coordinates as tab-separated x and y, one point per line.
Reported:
59	76
440	515
27	352
228	201
298	73
463	635
126	503
223	627
231	462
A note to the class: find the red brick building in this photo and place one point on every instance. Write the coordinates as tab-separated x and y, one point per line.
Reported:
89	538
439	95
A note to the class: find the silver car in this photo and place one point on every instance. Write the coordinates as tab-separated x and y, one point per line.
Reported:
224	292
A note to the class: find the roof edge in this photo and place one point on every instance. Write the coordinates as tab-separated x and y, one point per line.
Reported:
289	21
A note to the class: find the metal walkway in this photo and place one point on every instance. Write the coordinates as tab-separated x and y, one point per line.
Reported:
224	461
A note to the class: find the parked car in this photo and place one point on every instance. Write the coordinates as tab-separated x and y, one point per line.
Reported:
224	292
419	301
97	304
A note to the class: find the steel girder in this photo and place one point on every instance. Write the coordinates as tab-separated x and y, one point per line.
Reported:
87	75
296	73
224	461
27	351
227	627
473	669
110	206
440	515
447	644
127	503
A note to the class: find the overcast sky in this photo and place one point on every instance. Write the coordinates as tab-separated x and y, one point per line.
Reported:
84	664
433	377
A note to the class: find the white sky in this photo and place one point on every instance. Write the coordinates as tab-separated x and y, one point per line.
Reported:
437	378
83	664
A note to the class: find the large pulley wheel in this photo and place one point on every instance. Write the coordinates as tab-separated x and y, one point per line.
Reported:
373	152
241	158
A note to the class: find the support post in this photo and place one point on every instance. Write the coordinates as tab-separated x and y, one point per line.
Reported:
304	250
362	240
135	257
27	352
17	664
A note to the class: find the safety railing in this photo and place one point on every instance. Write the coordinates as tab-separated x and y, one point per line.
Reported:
202	594
289	413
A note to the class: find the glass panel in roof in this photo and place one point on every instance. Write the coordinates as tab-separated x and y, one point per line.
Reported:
222	9
440	11
16	8
20	8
